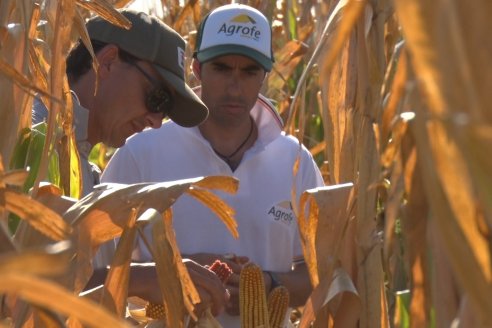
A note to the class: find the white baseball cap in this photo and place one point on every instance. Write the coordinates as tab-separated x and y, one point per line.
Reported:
235	29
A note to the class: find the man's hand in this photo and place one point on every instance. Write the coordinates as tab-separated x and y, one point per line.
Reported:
212	292
144	284
235	262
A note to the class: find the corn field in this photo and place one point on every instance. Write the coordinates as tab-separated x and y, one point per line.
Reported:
391	98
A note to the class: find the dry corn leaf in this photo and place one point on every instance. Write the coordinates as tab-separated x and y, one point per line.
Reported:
339	94
223	183
442	38
179	293
39	216
395	193
117	200
322	231
51	295
307	224
51	260
22	81
14	177
339	284
6	243
115	291
286	61
15	100
453	207
398	67
446	292
398	130
332	246
414	223
474	138
221	209
343	25
106	11
185	13
102	215
61	18
333	243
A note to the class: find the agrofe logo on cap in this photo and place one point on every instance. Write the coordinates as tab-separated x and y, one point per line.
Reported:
235	29
241	25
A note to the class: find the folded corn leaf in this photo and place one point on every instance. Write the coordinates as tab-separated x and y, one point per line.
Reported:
328	242
179	293
50	295
102	215
106	11
115	292
39	216
48	261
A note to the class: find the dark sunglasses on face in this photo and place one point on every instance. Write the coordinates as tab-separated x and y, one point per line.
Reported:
159	100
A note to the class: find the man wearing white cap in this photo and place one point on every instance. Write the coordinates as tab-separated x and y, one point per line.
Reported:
242	137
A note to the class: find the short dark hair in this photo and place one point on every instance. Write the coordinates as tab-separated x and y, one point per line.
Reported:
79	60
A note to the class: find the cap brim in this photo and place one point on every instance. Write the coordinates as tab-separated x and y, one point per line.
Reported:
231	49
188	109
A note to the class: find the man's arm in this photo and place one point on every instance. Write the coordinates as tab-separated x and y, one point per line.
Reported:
144	284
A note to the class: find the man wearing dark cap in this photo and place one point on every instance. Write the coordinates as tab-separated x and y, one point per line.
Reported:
139	82
242	137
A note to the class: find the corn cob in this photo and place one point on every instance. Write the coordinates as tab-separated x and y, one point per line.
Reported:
157	311
278	304
222	270
252	298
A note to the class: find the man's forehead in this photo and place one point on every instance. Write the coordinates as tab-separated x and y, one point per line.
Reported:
234	60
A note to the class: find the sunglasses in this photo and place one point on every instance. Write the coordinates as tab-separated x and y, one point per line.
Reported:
159	100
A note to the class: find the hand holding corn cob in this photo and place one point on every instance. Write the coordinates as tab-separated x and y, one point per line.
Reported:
156	310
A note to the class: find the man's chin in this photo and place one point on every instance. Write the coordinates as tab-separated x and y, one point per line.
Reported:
116	143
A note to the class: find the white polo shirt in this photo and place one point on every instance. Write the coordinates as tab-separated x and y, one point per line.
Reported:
268	232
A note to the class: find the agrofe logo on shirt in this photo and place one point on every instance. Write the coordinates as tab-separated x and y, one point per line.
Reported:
241	25
282	212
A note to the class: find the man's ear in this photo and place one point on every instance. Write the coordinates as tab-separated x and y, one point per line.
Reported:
106	57
197	69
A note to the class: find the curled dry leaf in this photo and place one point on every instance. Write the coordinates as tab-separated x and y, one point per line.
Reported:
116	285
50	295
48	261
39	216
106	11
102	215
179	293
327	241
14	177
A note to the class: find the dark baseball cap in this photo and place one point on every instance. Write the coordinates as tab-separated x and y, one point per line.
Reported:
152	40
